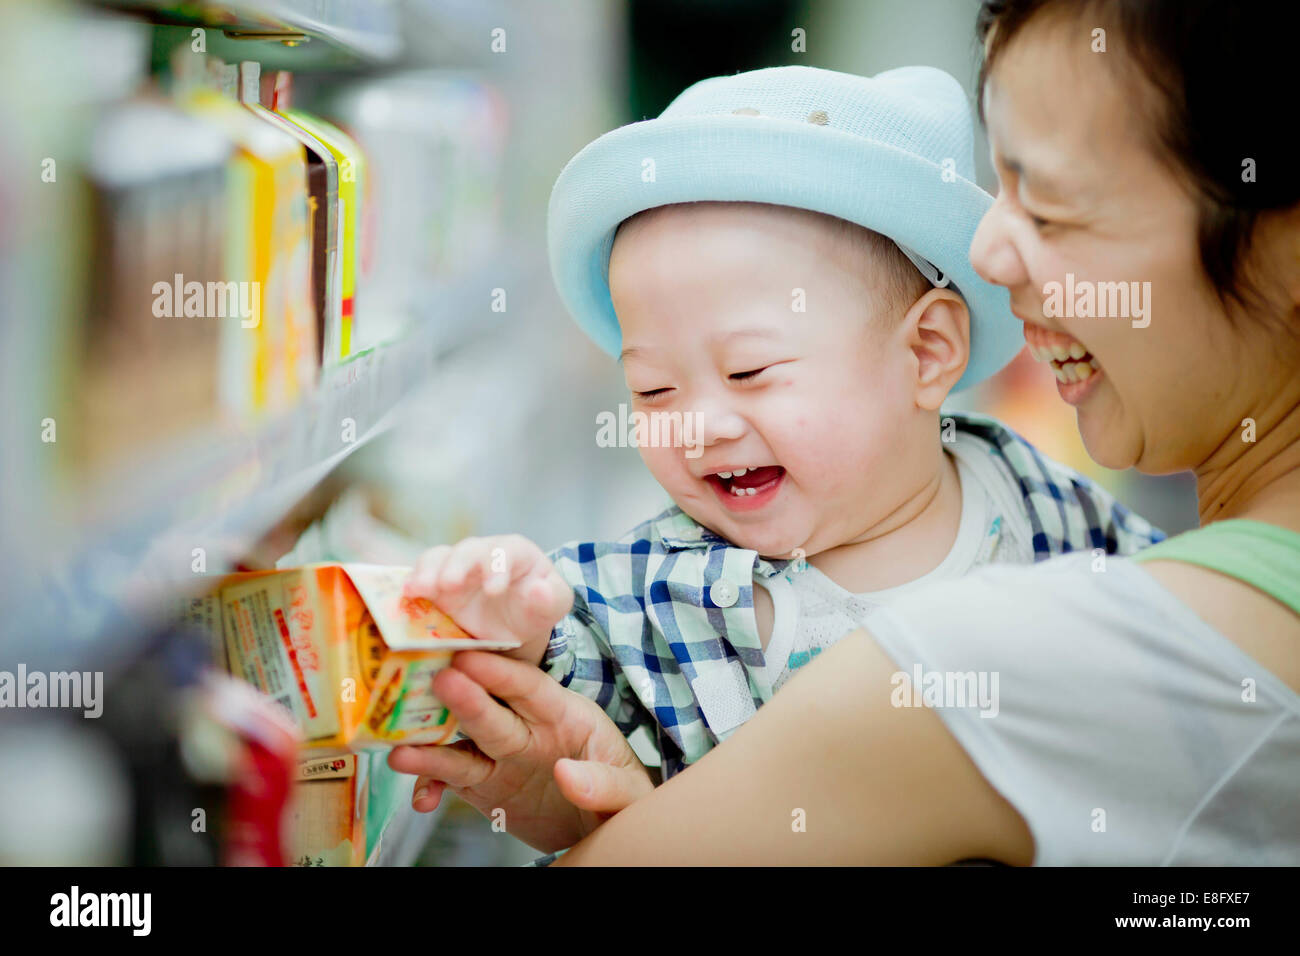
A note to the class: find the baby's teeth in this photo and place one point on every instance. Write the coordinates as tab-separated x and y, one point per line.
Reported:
739	471
751	491
1077	351
724	474
738	492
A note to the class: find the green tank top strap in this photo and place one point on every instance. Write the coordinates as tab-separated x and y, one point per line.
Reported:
1262	555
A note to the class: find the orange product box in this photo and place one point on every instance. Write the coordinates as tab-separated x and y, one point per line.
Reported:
344	651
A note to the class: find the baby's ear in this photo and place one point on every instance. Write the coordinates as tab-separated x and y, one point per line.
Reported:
938	333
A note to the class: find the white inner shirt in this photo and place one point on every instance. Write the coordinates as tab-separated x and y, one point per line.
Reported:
811	612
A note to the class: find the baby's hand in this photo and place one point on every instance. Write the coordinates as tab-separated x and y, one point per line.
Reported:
499	588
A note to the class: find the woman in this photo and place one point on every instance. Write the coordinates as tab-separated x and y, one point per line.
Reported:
1145	711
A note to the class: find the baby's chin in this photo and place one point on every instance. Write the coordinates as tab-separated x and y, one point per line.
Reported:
769	542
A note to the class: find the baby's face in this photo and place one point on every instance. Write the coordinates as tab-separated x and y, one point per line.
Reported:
810	413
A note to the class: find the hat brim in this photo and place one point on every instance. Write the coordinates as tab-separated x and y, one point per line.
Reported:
728	158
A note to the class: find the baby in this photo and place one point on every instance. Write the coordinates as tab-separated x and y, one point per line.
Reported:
781	257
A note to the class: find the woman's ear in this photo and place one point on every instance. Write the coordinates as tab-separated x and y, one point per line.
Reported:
937	330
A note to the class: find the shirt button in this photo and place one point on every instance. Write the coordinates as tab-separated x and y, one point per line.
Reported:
723	593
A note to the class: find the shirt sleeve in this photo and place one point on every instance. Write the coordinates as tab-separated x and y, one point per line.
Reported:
580	655
1097	704
1108	524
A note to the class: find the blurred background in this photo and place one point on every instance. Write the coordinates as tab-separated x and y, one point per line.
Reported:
381	170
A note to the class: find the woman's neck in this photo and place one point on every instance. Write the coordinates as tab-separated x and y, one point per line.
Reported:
1257	479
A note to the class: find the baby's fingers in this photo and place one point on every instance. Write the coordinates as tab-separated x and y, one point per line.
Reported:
510	558
545	597
424	576
463	568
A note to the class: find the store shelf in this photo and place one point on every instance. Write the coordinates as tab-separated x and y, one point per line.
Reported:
219	492
367	30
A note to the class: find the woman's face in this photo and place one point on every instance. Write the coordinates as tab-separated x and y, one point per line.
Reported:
1084	205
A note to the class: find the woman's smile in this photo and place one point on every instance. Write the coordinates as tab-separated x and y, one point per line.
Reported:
1076	369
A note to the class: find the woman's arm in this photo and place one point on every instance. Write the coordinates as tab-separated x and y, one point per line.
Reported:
828	772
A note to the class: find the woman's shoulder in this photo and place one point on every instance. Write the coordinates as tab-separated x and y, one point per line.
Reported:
1084	606
1082	590
1115	716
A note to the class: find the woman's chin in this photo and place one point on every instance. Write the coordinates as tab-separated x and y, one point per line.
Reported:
1107	441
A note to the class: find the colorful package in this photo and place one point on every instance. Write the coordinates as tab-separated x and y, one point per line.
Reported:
268	363
323	206
344	651
351	194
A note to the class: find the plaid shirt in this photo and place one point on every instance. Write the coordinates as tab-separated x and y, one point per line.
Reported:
663	619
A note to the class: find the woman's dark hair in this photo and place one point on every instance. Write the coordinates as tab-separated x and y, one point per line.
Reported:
1225	81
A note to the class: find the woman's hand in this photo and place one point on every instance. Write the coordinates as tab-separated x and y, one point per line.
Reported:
547	762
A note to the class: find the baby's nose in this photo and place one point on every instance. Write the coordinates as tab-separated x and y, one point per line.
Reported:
708	426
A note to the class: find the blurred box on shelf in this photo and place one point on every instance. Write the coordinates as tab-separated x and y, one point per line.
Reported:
341	648
327	812
434	142
340	330
270	359
322	203
147	352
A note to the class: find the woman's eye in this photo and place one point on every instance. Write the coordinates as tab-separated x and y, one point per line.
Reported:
743	376
651	395
1038	222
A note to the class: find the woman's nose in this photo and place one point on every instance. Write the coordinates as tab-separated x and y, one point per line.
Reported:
992	253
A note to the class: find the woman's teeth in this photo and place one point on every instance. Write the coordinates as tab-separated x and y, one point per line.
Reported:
1074	371
1070	361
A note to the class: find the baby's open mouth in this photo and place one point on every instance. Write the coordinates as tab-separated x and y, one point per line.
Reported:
745	490
746	482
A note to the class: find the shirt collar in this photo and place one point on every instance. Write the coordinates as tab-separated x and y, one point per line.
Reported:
678	531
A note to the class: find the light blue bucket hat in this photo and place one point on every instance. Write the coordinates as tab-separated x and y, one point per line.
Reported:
893	153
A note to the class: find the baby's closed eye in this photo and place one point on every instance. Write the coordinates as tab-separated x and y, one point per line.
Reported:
749	373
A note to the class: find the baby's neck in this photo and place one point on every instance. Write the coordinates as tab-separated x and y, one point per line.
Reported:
907	544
